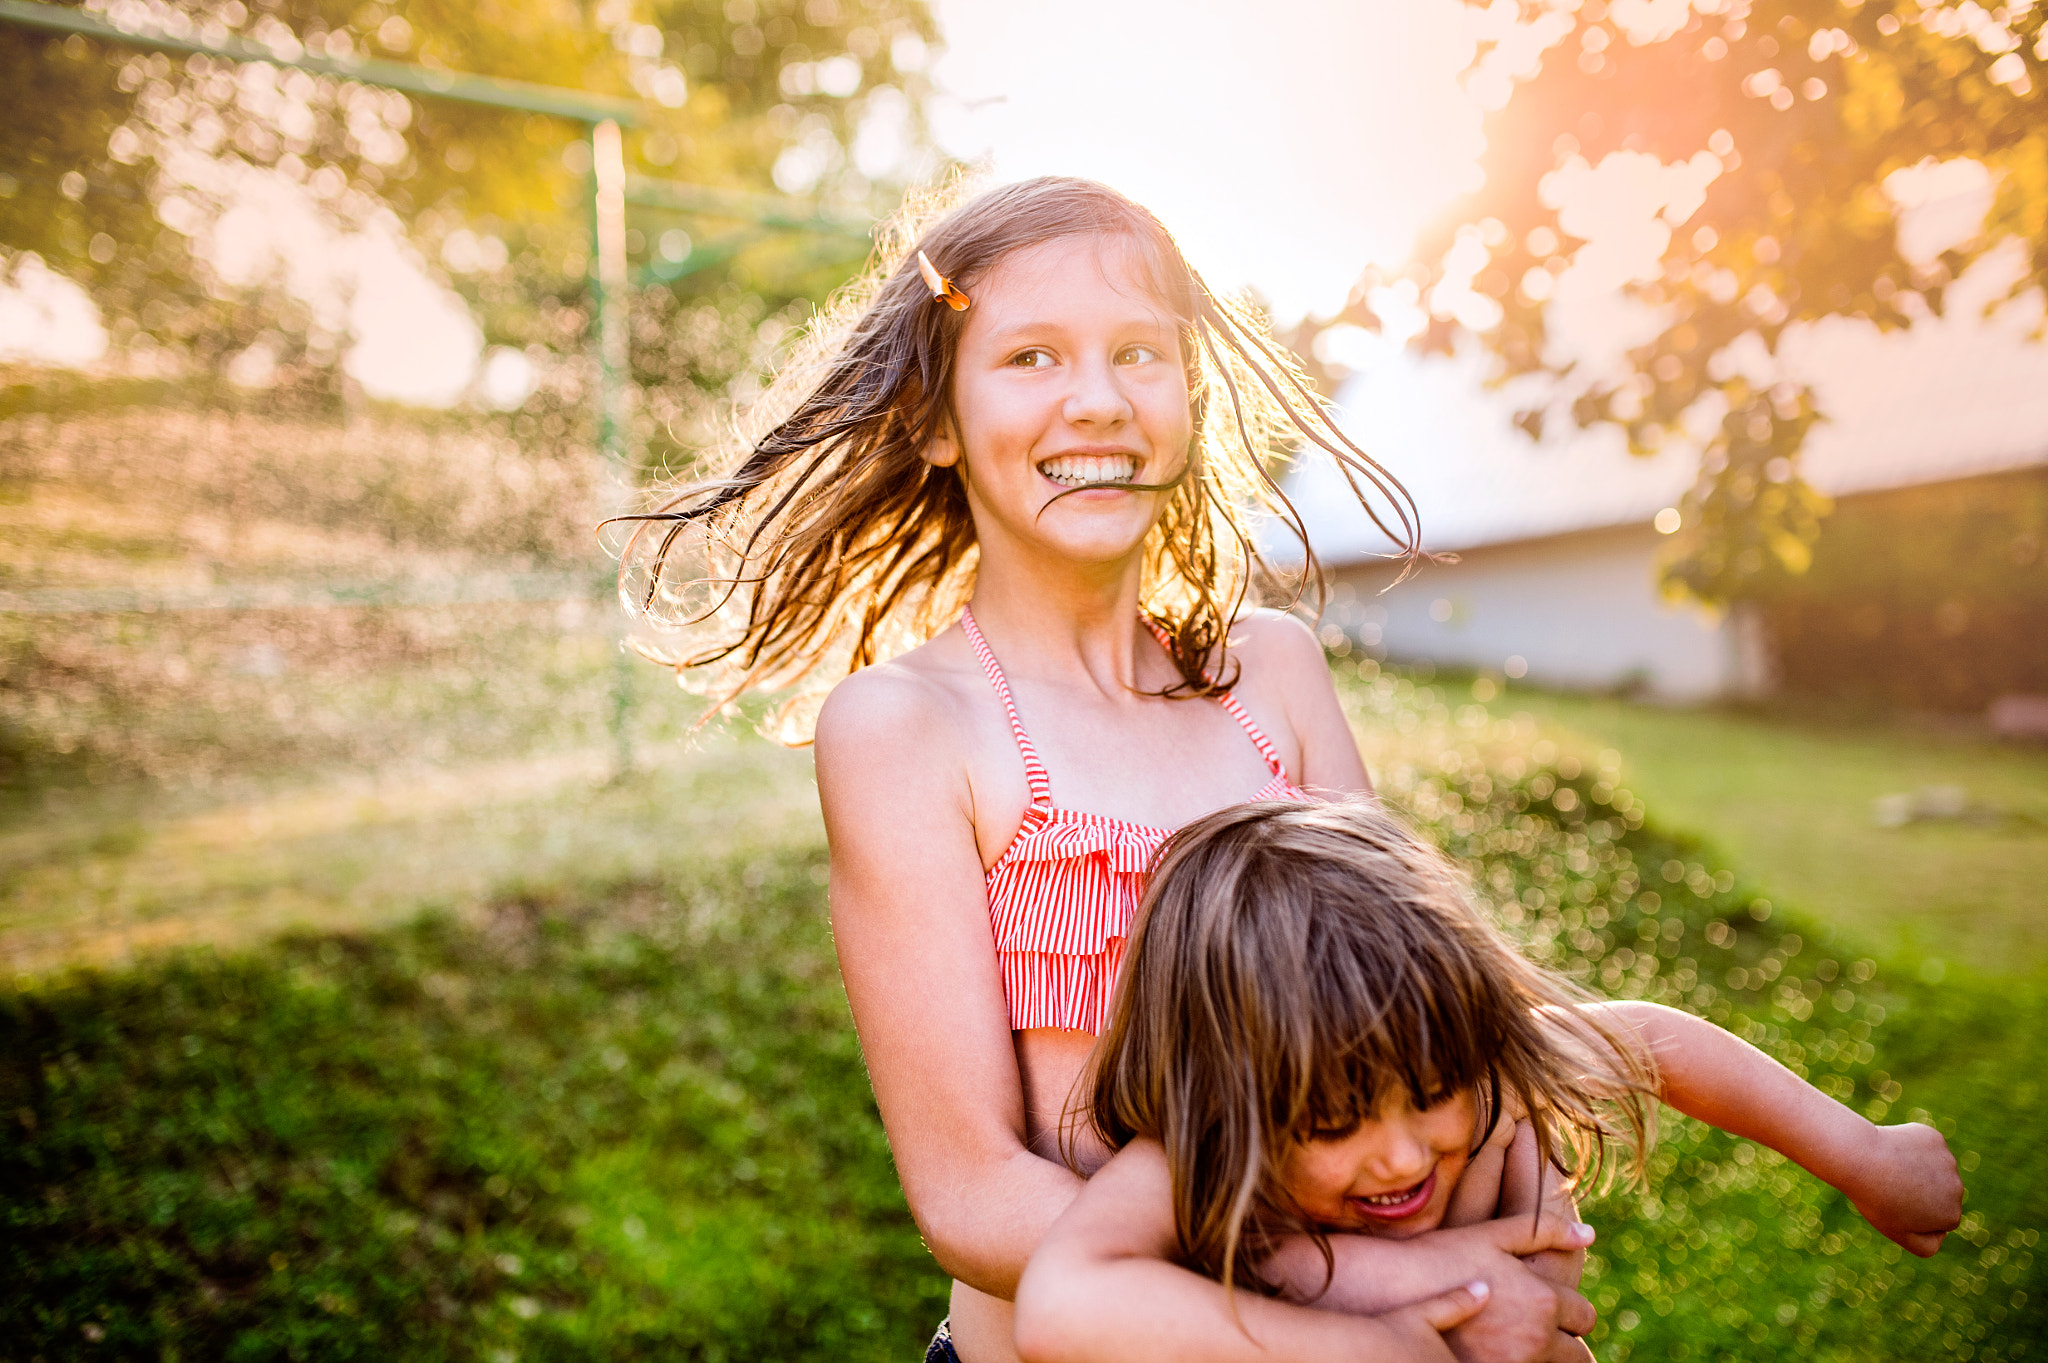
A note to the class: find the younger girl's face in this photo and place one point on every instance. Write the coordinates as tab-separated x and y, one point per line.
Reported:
1391	1177
1068	372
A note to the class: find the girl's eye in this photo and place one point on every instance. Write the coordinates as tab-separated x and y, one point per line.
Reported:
1032	359
1136	354
1335	1131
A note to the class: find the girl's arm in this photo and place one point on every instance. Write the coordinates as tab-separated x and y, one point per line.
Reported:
1506	1179
1103	1289
910	922
1482	1193
1901	1178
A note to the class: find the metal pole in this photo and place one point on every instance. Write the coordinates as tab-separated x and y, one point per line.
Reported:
614	361
608	273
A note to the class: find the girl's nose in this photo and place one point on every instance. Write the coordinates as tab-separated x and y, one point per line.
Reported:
1096	399
1401	1156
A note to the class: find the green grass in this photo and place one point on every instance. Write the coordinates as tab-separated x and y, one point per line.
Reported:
629	1124
1789	800
624	1115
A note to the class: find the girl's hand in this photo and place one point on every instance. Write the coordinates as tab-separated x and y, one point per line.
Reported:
1420	1328
1537	1319
1527	1319
1907	1186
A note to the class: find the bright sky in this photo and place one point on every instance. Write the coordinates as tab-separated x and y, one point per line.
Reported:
1287	144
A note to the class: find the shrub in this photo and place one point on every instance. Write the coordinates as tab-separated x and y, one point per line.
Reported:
1930	598
1729	1251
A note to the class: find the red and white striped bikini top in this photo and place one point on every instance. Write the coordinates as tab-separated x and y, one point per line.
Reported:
1062	895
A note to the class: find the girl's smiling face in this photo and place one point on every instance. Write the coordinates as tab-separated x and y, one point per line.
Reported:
1393	1175
1068	372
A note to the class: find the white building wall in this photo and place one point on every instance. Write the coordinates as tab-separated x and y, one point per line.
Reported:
1579	611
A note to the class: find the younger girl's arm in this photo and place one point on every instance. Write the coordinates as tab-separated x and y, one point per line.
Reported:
1103	1286
1901	1178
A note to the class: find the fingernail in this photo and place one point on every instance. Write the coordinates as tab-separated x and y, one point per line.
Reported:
1582	1233
1480	1288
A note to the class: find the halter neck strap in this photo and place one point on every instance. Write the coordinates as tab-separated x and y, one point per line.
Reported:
1230	703
1034	770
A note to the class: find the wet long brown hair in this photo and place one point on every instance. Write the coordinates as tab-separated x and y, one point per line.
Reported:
1294	963
822	541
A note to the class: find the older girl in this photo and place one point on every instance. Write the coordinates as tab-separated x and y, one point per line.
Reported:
1005	493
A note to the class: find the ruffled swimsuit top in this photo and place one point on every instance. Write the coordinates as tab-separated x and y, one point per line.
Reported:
1062	896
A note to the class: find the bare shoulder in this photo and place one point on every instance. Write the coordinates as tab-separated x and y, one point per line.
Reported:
1133	1191
1283	668
1280	656
903	706
1267	638
1142	1158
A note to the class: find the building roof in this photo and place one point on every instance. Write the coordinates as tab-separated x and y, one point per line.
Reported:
1950	398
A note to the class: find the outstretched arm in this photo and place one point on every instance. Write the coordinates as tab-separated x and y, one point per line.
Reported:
1901	1178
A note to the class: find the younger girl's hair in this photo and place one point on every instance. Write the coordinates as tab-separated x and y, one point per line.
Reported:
1294	964
821	540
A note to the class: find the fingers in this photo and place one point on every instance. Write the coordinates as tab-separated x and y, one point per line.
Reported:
1913	1192
1525	1235
1575	1315
1568	1349
1559	1268
1453	1308
1922	1243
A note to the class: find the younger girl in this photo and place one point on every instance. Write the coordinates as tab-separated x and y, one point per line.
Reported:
1003	497
1317	1034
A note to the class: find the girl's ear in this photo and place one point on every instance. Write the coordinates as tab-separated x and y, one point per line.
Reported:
943	451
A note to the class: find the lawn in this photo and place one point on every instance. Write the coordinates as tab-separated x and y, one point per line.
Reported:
1790	800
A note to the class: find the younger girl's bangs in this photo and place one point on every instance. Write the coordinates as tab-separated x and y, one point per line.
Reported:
1397	1007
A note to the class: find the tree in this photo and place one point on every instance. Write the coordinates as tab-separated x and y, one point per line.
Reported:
1798	111
100	170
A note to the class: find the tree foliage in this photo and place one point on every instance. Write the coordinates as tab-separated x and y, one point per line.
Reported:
1799	110
119	163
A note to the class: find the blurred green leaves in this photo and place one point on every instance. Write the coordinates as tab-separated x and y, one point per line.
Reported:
1801	109
1730	1252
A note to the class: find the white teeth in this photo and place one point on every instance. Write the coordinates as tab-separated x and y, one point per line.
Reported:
1076	470
1388	1199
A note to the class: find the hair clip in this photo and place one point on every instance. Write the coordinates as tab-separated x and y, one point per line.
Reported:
941	286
